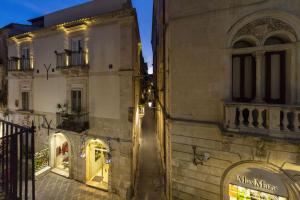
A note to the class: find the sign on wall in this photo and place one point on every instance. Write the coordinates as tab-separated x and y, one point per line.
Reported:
258	184
241	193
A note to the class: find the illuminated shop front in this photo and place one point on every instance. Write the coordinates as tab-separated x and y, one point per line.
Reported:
257	181
60	154
97	164
242	193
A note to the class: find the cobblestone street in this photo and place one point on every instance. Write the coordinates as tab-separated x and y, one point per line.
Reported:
55	187
150	182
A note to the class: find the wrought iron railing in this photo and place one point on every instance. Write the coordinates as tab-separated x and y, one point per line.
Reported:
71	59
20	64
17	161
73	122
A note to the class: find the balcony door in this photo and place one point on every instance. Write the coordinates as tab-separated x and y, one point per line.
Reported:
76	48
275	77
25	54
243	78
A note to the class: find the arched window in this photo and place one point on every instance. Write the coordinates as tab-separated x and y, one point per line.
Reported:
275	40
243	44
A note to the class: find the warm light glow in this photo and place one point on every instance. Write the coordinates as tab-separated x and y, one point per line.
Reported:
1	131
31	63
87	56
67	30
18	65
67	60
97	164
141	110
241	193
60	154
150	104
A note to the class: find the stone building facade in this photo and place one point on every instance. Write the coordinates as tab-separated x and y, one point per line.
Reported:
227	98
77	77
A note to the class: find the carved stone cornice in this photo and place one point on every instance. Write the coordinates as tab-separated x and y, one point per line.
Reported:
260	28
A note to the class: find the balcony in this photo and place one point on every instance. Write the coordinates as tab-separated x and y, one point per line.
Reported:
76	61
280	121
20	66
73	122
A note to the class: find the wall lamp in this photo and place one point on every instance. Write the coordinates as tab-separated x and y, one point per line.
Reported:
200	158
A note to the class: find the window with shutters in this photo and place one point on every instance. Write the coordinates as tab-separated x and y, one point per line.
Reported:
25	101
275	77
76	100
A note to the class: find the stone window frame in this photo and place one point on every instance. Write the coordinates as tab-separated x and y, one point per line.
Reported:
245	33
78	84
30	93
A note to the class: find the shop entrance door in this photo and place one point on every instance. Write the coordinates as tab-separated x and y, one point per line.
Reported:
60	152
97	166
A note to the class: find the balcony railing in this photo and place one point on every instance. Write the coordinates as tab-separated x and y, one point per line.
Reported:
262	118
20	64
73	122
71	59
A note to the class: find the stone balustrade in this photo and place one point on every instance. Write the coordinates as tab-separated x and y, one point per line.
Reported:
262	118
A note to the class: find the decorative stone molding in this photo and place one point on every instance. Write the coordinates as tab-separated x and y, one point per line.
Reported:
261	151
260	28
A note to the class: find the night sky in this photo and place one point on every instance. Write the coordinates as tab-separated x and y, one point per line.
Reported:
19	11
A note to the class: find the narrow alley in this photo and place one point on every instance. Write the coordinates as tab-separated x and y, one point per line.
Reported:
150	181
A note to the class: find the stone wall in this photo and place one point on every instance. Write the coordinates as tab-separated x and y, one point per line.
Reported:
204	181
197	66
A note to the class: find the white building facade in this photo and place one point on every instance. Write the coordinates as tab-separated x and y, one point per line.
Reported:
75	78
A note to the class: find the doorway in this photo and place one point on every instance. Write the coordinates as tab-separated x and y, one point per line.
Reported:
97	164
60	151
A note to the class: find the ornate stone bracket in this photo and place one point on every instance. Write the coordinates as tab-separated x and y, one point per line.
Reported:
261	151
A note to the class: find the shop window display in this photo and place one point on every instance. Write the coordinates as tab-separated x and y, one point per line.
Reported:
242	193
60	151
97	165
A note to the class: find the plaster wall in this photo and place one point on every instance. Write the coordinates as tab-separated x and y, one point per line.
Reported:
110	93
105	101
104	44
48	93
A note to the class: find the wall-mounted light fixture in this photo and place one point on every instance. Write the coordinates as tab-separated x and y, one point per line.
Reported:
200	158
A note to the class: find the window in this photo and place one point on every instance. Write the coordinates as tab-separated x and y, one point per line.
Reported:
242	44
243	77
274	40
25	57
25	52
25	100
76	101
76	49
275	77
76	44
241	193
